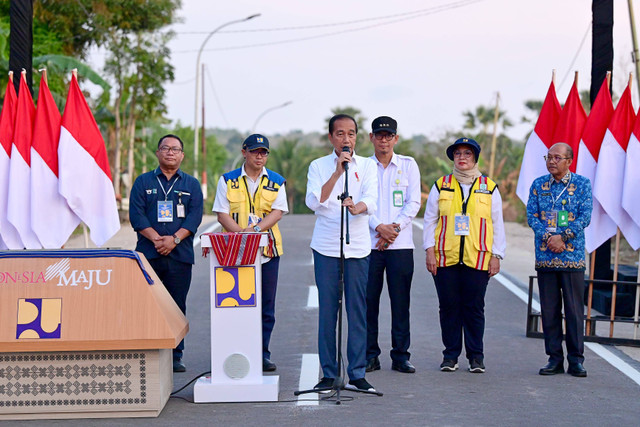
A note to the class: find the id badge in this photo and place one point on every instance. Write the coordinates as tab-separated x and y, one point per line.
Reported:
398	200
165	211
552	221
563	219
461	225
180	213
254	219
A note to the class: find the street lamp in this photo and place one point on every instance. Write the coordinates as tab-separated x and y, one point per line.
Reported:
253	128
195	120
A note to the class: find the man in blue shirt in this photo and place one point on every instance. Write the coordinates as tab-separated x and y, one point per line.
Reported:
558	211
165	209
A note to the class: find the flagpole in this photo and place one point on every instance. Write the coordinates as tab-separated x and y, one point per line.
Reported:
636	60
635	312
614	285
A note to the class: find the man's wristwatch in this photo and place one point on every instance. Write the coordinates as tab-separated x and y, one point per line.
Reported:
257	228
176	239
497	256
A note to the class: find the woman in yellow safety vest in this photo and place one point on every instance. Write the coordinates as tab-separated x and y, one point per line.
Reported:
464	241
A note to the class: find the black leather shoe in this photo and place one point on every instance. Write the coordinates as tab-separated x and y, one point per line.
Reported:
178	366
268	365
405	367
577	370
552	368
373	364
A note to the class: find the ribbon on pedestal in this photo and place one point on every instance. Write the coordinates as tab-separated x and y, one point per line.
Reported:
233	248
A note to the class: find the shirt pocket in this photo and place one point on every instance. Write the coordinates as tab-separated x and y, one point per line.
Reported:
483	205
444	202
268	196
236	200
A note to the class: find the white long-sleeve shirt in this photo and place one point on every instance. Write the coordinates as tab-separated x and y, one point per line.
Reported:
431	216
401	175
363	187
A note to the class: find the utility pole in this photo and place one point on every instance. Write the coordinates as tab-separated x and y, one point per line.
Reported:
494	137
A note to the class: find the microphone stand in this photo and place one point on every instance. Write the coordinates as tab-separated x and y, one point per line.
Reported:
339	382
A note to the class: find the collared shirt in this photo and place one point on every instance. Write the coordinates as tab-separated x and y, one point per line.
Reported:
431	216
221	203
147	190
401	178
573	195
363	187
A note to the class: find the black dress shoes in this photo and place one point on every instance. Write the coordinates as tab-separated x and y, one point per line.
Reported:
405	367
268	365
552	368
577	370
373	364
178	366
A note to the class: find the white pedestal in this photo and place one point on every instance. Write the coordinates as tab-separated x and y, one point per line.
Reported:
236	335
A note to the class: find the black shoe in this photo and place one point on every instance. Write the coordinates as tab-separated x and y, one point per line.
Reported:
325	384
577	370
476	366
178	366
552	368
449	365
359	384
373	364
404	367
268	365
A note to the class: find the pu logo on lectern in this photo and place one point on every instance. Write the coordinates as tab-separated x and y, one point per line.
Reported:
235	286
39	318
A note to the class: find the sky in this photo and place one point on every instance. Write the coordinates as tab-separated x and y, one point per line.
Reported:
424	69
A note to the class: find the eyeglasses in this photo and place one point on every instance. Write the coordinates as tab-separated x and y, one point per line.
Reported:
555	159
260	153
464	154
386	136
165	149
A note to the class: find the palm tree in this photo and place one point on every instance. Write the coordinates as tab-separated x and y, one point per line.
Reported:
291	160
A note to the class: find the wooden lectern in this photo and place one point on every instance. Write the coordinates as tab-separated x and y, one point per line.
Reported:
84	334
236	331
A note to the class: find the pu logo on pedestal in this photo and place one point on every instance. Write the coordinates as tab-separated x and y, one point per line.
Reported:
39	318
235	287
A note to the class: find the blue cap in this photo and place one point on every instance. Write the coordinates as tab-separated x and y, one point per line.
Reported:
464	141
255	142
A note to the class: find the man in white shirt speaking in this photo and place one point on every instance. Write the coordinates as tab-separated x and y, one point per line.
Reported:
325	184
391	244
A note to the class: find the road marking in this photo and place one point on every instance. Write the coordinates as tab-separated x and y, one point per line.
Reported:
418	224
598	349
312	298
210	229
516	291
308	378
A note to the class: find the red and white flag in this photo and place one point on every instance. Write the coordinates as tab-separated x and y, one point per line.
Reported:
631	185
18	200
9	237
607	187
47	203
571	124
83	168
538	144
602	227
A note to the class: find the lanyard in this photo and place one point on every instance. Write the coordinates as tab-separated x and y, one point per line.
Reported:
166	193
555	199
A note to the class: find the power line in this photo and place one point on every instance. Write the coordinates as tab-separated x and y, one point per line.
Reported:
575	57
337	24
431	11
215	96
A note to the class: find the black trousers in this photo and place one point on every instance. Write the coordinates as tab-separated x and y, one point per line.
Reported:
269	287
461	292
555	288
176	278
399	268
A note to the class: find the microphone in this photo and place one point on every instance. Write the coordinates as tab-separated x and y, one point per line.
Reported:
346	149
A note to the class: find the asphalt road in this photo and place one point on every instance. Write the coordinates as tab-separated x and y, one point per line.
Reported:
510	393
